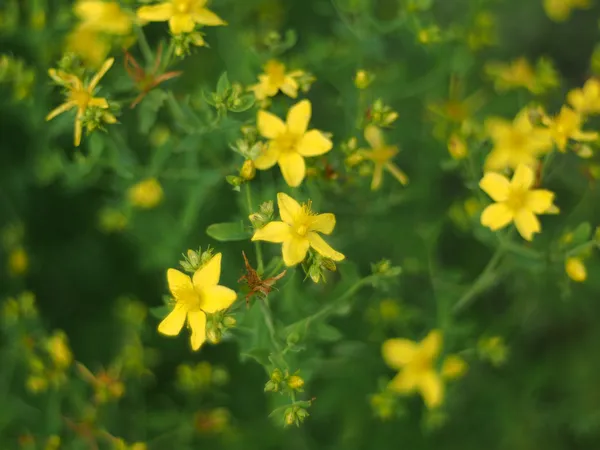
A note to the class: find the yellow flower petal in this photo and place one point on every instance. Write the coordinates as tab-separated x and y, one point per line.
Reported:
294	250
290	87
377	176
98	102
432	389
431	346
277	232
575	269
105	68
268	157
323	223
496	216
403	383
495	185
313	143
374	136
209	274
197	322
269	125
156	13
292	168
206	17
78	128
539	201
398	352
298	117
181	23
181	286
527	224
397	173
523	177
61	109
217	298
319	244
173	323
288	208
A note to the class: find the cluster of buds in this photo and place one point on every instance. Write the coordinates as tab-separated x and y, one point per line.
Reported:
217	324
195	259
282	381
14	71
295	415
48	368
21	307
381	115
316	266
107	384
263	216
200	377
183	42
94	118
229	97
492	349
250	148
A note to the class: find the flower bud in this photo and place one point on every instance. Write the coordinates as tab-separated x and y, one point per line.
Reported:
363	79
457	147
248	170
453	367
229	322
295	383
575	269
214	335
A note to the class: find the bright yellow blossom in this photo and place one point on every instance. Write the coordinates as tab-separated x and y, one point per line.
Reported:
88	45
81	96
560	10
575	269
146	194
195	297
381	154
18	261
276	79
567	125
105	17
517	73
515	201
516	142
415	362
289	143
587	99
298	231
183	15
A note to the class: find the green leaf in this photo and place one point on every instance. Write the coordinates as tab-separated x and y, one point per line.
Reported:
223	84
581	234
260	355
160	312
244	103
148	109
228	231
326	332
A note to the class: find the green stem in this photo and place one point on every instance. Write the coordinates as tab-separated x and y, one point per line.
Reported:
144	46
168	57
582	248
257	247
483	281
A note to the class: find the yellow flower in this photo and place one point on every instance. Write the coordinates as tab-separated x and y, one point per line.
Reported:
587	99
183	15
290	142
146	194
275	79
516	142
567	125
18	261
515	201
517	73
80	96
415	363
576	269
104	17
381	155
194	298
58	348
89	45
560	10
298	231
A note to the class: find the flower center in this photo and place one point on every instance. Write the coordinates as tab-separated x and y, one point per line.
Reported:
516	199
182	6
81	98
382	155
301	229
517	141
276	72
287	142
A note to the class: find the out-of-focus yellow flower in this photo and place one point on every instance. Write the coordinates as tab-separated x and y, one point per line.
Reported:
363	79
560	10
276	79
381	155
587	99
457	147
52	443
120	444
453	367
567	125
146	194
516	142
298	231
183	15
415	362
81	96
290	142
575	269
212	422
18	261
429	35
104	17
483	32
517	73
89	45
111	220
516	201
58	349
194	297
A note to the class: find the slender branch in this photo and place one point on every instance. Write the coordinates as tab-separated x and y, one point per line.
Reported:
257	247
144	46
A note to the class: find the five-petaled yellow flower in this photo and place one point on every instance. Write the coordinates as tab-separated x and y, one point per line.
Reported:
567	125
516	142
515	201
81	96
381	154
276	79
183	15
415	362
290	142
195	297
587	99
298	231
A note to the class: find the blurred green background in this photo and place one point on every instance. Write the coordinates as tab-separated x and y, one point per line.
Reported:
547	394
